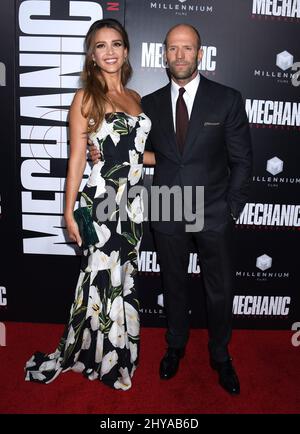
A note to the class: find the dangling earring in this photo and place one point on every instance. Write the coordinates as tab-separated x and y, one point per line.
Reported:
95	64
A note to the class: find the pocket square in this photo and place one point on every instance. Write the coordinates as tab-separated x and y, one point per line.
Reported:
212	124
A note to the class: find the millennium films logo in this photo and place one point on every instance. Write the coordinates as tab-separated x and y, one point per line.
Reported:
281	10
275	167
182	7
157	310
264	264
283	70
273	114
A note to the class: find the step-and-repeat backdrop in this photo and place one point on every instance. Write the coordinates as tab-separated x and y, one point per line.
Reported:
251	45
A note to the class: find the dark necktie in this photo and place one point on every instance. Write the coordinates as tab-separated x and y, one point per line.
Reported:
182	120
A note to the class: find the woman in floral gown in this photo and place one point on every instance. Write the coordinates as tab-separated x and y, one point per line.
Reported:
101	339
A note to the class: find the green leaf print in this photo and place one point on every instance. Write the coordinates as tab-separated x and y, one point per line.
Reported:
129	238
89	202
120	125
115	168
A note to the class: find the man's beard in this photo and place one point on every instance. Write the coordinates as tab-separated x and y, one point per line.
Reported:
183	74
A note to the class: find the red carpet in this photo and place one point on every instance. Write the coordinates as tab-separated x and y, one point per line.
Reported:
267	363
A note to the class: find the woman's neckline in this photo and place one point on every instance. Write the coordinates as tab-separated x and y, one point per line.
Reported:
125	113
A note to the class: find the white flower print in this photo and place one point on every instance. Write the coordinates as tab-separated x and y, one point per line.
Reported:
49	365
82	201
132	370
116	313
106	129
140	140
94	308
123	382
86	339
145	124
135	210
114	265
135	171
131	121
93	376
98	261
36	375
92	276
137	247
132	319
116	335
119	228
76	356
114	135
108	362
54	355
99	347
133	352
71	337
103	234
30	363
133	157
96	180
127	279
78	367
121	188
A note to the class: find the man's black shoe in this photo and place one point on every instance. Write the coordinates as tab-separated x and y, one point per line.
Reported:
170	363
228	378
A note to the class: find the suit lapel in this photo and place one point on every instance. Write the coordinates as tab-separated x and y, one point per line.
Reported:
201	107
166	118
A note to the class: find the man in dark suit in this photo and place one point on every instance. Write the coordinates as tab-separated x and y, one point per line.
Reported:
200	137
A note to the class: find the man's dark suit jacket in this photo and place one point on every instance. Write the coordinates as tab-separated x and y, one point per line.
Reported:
217	152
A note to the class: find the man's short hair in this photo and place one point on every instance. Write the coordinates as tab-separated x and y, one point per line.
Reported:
187	25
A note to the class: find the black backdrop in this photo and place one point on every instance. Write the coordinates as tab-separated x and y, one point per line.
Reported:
248	44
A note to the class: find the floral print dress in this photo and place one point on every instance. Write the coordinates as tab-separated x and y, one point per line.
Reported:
101	339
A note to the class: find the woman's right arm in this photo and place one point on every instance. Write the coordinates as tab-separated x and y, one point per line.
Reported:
78	138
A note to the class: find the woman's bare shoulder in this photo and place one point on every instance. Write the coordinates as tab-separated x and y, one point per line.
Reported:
135	95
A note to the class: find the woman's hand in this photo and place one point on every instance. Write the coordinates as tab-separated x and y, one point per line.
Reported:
149	158
72	228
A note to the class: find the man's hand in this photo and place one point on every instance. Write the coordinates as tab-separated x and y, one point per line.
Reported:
94	152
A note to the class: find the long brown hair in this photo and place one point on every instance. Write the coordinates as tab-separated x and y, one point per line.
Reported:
94	85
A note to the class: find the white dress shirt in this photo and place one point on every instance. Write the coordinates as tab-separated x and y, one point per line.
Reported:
188	96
